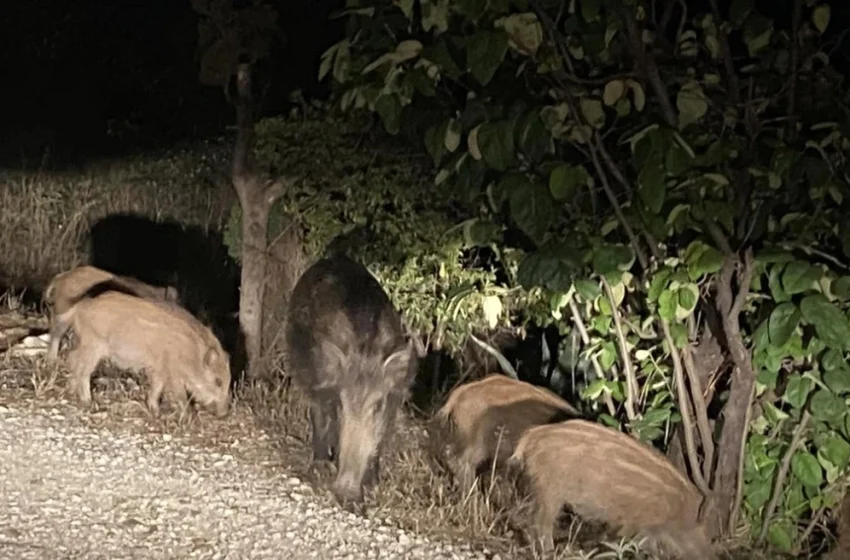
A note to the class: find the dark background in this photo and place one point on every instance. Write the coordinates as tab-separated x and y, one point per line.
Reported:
73	69
93	78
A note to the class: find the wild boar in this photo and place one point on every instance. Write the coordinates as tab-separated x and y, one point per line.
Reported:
176	351
346	347
485	419
605	475
66	287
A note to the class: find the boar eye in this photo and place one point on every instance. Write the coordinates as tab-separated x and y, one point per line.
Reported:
218	382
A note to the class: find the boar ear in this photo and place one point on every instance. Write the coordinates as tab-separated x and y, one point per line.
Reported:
396	365
332	356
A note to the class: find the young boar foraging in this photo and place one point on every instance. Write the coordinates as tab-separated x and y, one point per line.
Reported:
67	287
178	354
487	417
605	475
345	346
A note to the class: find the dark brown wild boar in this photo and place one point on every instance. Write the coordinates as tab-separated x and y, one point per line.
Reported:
66	287
178	353
605	475
345	345
485	419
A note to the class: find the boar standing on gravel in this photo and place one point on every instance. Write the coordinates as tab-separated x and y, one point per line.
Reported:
605	475
346	347
67	287
178	353
487	417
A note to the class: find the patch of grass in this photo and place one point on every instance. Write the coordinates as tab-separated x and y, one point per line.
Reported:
46	215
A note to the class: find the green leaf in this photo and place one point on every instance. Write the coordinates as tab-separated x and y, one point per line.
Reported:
435	141
607	356
688	297
680	335
799	277
610	259
652	186
524	30
830	324
783	321
709	262
835	450
659	282
496	142
667	304
838	380
470	9
758	493
833	359
592	111
827	406
389	109
552	267
780	536
565	180
532	209
773	281
588	289
691	104
485	51
841	288
614	90
533	137
806	469
820	17
590	10
797	390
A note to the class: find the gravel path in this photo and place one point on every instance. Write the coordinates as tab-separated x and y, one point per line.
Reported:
71	491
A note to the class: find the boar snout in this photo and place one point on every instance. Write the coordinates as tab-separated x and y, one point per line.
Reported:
222	407
349	493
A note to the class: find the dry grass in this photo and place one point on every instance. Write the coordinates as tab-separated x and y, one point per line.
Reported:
46	216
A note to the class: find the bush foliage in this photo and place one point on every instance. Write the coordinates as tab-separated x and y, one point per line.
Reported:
662	178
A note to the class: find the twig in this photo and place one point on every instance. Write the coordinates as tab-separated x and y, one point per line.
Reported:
684	409
731	75
783	472
700	412
579	322
628	370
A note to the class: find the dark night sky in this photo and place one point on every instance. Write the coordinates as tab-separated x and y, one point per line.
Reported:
71	66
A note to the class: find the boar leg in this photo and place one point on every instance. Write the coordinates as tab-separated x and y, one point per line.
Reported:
545	518
82	361
154	393
58	327
325	423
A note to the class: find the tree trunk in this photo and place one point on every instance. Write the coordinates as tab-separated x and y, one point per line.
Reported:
256	197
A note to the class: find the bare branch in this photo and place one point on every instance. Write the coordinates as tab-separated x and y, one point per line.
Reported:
731	74
582	330
700	412
628	370
648	68
745	277
684	409
799	431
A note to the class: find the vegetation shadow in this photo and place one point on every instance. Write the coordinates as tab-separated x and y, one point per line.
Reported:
193	260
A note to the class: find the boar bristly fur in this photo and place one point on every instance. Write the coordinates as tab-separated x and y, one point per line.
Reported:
345	345
605	475
67	287
177	353
487	417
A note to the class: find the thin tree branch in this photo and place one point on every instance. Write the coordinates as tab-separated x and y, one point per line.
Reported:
628	370
799	431
731	74
739	485
582	330
648	68
700	412
684	409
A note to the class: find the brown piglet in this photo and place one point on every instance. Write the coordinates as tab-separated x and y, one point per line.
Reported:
66	287
178	353
605	475
486	418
